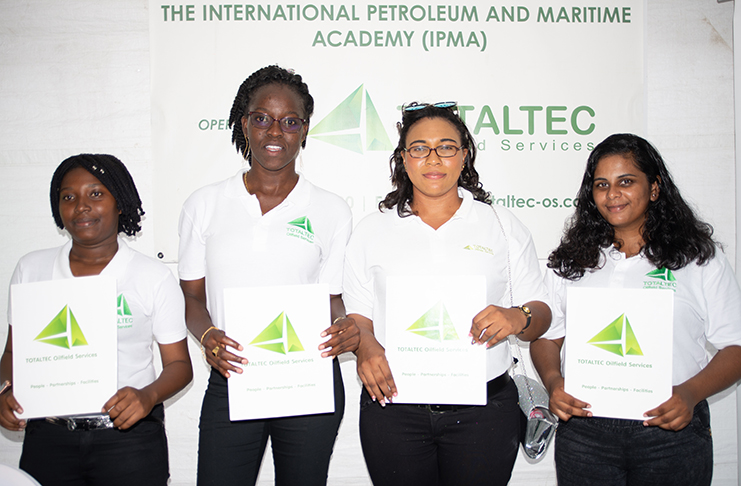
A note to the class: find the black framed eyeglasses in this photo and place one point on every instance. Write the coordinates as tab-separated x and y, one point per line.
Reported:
414	106
422	151
289	124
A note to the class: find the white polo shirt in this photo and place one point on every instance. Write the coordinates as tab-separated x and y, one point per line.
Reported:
225	238
707	303
470	243
151	304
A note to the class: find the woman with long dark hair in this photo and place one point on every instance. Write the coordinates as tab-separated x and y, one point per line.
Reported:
439	222
630	221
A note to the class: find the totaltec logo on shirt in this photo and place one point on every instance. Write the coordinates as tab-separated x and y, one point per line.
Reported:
125	317
661	278
301	228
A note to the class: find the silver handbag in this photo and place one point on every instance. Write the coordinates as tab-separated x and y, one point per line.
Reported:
532	396
541	423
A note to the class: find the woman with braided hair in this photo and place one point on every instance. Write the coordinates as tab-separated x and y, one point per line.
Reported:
232	235
93	198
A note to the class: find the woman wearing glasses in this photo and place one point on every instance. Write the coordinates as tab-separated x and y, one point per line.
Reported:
439	221
234	234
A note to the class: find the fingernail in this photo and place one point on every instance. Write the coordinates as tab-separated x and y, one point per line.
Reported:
324	334
373	398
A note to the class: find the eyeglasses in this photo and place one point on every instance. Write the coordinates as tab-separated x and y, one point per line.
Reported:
442	151
289	124
414	106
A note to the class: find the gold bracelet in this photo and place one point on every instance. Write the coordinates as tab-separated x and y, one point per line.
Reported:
204	334
338	319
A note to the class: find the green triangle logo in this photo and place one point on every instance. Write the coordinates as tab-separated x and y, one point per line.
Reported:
279	336
303	223
435	324
342	126
63	331
618	338
122	306
662	274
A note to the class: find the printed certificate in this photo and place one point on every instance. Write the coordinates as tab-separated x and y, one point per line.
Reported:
279	328
618	349
64	345
427	344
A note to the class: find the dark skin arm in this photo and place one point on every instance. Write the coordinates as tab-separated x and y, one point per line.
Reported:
9	406
198	321
373	368
546	355
344	333
676	413
129	405
494	323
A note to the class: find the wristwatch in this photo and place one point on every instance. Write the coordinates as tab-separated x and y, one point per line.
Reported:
525	310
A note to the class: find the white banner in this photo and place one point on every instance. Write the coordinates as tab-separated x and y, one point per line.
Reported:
539	84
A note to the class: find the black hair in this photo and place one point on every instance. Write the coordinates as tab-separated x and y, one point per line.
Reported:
403	194
114	176
673	235
258	79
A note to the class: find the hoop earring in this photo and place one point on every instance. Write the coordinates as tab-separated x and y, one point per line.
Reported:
246	149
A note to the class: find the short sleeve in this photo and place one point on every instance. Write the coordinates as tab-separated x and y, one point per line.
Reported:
168	317
357	284
192	247
557	297
723	297
331	267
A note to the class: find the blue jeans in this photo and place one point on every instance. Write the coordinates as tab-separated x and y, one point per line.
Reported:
407	445
56	456
230	453
614	452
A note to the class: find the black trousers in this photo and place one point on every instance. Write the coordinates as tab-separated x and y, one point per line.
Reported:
407	445
56	456
231	452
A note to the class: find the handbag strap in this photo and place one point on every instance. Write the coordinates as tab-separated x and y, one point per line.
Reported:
512	339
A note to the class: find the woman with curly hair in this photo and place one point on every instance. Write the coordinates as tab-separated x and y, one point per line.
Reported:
631	220
233	235
439	222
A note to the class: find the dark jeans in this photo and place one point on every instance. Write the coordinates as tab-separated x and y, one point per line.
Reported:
56	456
407	445
612	452
230	453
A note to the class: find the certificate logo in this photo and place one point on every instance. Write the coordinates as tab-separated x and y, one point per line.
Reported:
618	338
279	337
63	331
435	324
301	228
343	127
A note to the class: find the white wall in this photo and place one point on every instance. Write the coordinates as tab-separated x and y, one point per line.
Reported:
74	77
